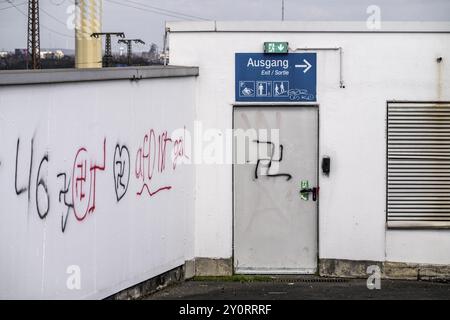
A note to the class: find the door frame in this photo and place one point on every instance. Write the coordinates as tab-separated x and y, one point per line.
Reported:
236	106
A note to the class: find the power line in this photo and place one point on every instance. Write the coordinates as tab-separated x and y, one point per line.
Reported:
138	6
143	9
57	4
53	17
166	10
42	25
12	5
179	16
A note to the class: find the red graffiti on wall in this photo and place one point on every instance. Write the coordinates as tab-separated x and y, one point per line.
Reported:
151	153
179	149
84	177
151	159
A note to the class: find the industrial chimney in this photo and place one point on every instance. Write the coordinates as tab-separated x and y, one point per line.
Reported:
88	50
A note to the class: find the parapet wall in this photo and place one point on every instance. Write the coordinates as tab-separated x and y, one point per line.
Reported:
94	197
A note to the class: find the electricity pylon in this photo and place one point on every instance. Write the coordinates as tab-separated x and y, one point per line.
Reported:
129	43
33	39
107	58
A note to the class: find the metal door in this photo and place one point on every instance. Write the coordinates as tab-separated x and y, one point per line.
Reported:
275	190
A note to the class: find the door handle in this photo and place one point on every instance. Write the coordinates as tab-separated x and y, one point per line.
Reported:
314	192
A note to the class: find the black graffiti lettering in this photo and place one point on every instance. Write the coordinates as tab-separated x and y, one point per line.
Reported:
23	189
270	161
63	199
41	183
121	171
31	169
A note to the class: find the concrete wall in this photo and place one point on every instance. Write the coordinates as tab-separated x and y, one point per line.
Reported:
76	195
377	67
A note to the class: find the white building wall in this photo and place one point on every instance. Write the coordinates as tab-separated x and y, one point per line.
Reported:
120	243
377	67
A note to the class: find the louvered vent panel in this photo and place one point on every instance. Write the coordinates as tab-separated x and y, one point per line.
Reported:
418	165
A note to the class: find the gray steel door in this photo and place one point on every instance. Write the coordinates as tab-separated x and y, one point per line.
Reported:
275	225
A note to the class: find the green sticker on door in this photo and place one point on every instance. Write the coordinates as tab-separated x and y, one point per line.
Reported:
304	185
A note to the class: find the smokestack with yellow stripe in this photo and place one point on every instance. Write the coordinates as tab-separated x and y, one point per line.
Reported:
88	50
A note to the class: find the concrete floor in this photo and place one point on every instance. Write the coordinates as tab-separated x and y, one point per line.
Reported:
303	288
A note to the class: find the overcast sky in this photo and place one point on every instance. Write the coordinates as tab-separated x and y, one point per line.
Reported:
145	18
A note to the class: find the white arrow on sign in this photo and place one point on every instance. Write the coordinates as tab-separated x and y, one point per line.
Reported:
281	47
307	66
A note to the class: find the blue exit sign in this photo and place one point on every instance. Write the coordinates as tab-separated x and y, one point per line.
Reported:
264	77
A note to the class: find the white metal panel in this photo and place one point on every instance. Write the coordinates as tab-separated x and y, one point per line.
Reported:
418	165
121	242
275	230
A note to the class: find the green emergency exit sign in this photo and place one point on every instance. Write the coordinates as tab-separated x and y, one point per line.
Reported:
276	47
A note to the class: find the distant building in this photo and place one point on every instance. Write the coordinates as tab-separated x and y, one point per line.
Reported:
46	54
162	57
59	54
153	55
20	52
52	54
146	55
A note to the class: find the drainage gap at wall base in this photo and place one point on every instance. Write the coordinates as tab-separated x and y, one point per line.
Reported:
389	270
152	285
191	268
